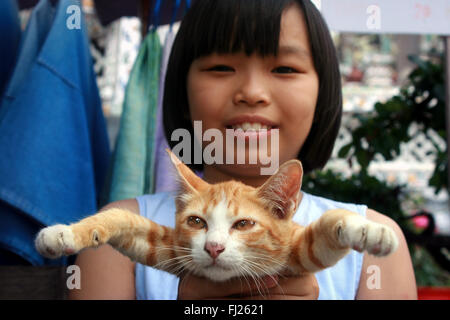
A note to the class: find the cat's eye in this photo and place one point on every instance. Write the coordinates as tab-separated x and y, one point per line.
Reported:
244	225
196	222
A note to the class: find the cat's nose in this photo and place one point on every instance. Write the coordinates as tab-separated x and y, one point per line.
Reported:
214	249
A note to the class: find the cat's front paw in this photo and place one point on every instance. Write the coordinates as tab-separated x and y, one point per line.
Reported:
55	241
361	234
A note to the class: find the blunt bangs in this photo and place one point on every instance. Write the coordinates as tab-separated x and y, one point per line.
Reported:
233	26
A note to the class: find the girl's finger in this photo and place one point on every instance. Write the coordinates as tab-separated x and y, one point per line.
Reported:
301	286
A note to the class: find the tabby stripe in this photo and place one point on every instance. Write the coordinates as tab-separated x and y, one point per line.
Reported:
152	237
236	210
151	258
310	242
267	248
167	239
296	249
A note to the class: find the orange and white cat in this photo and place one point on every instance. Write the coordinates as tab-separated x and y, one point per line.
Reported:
227	230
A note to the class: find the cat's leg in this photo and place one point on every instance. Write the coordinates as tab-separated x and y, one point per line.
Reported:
141	239
327	240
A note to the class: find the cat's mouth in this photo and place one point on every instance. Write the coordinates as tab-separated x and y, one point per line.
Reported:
219	266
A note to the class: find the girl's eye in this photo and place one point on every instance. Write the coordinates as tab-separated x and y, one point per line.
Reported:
221	68
285	70
196	222
244	225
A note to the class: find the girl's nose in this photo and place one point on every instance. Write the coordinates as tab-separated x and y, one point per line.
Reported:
252	91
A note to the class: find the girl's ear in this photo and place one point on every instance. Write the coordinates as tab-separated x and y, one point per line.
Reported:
281	192
189	181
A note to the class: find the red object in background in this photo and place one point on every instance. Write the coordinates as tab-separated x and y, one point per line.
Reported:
356	75
433	293
421	222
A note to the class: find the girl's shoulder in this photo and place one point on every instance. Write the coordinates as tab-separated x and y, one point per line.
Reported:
159	207
127	204
312	207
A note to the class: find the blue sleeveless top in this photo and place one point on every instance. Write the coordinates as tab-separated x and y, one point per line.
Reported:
339	282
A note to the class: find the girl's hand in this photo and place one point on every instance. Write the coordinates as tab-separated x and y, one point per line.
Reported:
303	287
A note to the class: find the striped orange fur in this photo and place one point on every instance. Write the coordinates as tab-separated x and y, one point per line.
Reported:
227	230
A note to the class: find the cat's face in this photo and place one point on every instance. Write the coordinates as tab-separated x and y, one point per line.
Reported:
231	234
232	230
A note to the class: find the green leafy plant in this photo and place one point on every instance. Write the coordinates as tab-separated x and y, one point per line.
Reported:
362	188
420	103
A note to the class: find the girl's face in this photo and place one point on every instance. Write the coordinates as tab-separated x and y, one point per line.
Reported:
227	90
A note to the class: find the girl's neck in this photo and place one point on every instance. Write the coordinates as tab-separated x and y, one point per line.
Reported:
212	174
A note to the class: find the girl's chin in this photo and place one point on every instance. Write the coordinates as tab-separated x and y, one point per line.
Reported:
246	173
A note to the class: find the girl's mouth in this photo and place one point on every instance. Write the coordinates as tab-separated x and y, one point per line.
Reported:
247	122
250	127
250	131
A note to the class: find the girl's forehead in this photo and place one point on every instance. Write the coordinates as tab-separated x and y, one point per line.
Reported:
293	30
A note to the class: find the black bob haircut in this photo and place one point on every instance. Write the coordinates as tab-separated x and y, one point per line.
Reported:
231	26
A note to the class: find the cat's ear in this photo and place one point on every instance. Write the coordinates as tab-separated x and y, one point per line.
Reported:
189	181
281	192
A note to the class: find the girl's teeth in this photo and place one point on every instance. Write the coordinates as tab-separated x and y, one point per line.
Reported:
251	127
246	126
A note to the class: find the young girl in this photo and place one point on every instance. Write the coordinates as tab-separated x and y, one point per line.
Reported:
270	62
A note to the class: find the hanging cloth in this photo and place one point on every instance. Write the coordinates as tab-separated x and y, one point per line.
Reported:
164	171
9	39
134	155
54	148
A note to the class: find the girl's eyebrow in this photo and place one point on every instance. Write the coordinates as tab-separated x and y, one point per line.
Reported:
294	50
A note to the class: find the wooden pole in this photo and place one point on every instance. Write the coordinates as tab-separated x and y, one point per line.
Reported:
144	7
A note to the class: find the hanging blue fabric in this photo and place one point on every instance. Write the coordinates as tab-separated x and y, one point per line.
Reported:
174	14
154	17
9	39
54	147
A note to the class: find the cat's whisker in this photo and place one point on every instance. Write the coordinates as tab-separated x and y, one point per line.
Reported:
182	267
245	273
241	274
168	261
260	266
172	248
183	283
261	256
174	264
263	269
255	277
